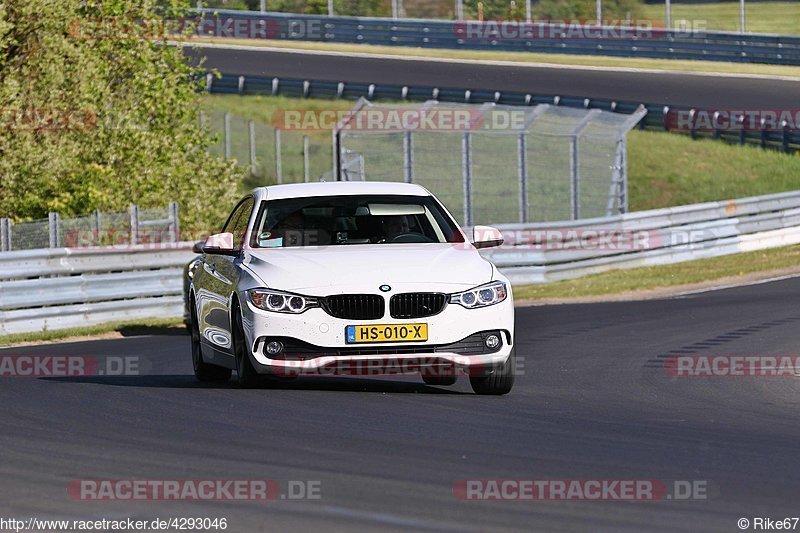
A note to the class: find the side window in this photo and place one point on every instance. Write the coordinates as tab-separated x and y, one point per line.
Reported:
229	225
240	226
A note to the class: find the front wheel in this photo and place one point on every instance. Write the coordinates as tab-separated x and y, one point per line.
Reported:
500	381
203	371
248	377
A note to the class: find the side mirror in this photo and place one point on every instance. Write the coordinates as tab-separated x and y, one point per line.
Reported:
220	244
486	237
198	247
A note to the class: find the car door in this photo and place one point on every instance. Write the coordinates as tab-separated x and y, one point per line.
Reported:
217	280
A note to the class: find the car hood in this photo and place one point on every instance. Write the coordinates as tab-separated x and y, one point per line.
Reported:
324	270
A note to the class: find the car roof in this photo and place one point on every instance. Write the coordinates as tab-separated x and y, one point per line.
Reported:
339	188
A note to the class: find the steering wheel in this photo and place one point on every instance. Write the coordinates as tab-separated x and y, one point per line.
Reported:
409	237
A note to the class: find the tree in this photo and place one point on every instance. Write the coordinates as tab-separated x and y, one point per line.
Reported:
96	114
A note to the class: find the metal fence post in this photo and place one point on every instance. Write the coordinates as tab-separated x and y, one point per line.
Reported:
466	171
599	12
134	211
459	9
252	131
528	10
278	162
741	17
668	9
227	135
623	189
522	172
574	162
306	162
330	8
263	5
5	241
408	157
53	229
174	222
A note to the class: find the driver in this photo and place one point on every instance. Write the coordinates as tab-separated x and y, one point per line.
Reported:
391	226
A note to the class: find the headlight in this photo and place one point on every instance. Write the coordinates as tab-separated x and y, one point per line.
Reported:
281	302
489	294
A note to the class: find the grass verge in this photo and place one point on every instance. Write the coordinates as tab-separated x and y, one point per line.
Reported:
723	270
529	57
124	329
761	17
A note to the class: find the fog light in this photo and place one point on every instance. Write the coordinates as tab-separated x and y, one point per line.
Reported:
274	347
492	341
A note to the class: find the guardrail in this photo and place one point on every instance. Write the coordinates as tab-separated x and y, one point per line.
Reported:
554	251
663	44
64	288
72	287
785	140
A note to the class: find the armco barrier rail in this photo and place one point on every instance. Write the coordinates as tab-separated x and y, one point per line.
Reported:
553	251
472	35
71	287
786	140
62	288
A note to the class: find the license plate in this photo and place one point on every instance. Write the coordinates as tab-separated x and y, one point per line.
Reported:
387	333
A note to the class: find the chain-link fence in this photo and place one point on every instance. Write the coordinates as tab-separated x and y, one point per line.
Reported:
774	16
272	155
494	164
136	226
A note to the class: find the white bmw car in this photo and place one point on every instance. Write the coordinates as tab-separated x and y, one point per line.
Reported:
350	277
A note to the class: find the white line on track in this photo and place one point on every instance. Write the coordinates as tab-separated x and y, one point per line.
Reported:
732	286
518	64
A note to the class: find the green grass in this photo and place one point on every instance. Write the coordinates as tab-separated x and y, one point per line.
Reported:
129	328
637	279
760	17
530	57
667	169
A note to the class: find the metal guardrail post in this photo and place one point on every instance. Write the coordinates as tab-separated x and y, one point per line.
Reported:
278	162
5	237
466	170
53	223
574	163
668	9
134	211
522	172
174	222
227	135
408	157
252	138
306	163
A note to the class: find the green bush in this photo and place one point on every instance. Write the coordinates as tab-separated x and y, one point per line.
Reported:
136	134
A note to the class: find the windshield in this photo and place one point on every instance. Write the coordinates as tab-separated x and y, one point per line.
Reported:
352	220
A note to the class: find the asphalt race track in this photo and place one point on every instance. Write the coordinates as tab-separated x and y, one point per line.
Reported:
645	87
595	402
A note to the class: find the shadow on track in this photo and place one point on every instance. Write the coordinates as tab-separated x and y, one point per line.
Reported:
184	381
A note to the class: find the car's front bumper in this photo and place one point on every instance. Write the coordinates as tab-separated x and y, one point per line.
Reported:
315	343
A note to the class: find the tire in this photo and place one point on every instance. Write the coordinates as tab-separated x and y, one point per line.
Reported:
205	372
499	382
248	377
